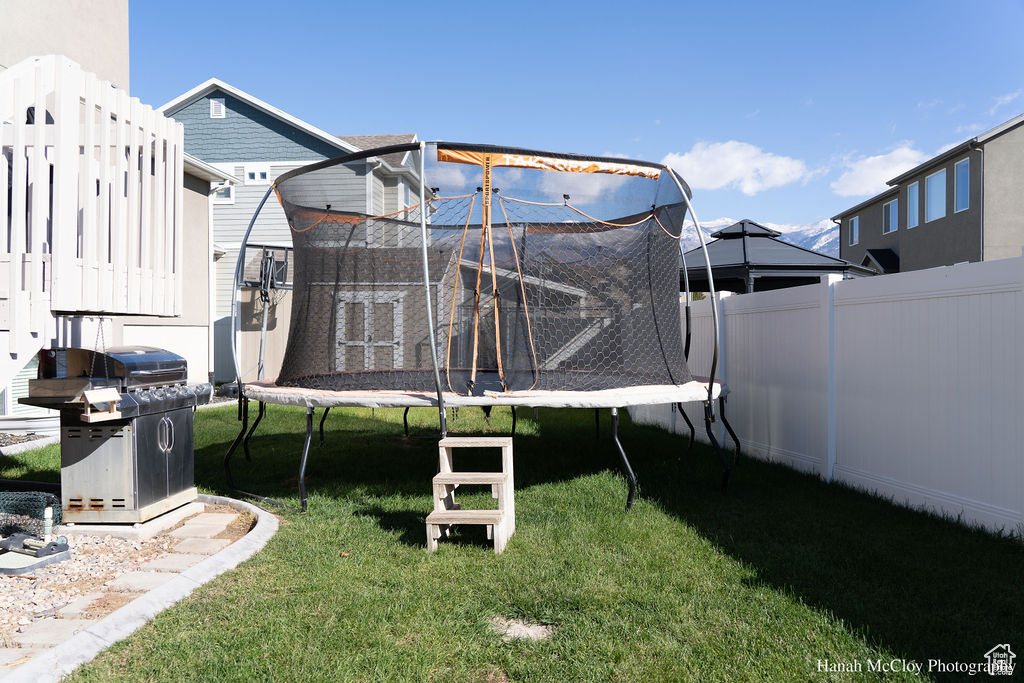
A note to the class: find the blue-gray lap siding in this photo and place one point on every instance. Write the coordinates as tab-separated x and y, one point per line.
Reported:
245	134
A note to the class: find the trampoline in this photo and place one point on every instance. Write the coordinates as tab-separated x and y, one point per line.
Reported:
441	275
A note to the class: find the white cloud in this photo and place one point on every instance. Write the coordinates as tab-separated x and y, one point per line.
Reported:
928	104
448	177
714	165
581	187
969	128
867	175
1003	100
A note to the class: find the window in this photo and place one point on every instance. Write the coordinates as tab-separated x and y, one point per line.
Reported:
217	107
961	195
854	230
913	205
257	174
890	216
935	196
224	195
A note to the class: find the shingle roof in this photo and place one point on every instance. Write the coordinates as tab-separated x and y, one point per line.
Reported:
748	243
367	142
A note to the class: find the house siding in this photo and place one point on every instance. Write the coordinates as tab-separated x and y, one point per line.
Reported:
954	238
245	134
1003	198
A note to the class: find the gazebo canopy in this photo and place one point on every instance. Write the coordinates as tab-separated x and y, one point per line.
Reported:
747	257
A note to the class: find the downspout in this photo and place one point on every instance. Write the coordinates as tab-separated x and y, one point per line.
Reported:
211	279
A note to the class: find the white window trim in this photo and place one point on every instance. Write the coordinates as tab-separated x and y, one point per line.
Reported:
916	205
855	220
230	199
893	227
257	170
941	172
956	184
218	109
368	299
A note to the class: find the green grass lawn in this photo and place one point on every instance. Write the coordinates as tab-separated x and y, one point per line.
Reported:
758	584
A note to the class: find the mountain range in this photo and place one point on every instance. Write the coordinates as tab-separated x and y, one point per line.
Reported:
822	236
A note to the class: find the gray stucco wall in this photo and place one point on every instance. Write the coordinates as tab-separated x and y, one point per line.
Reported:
94	33
245	134
955	238
1004	195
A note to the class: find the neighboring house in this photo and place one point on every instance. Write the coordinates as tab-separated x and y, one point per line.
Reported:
189	334
71	28
257	142
964	204
134	250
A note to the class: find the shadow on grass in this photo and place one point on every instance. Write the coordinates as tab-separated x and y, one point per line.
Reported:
916	585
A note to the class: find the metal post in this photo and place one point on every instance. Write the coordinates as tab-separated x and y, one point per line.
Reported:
323	419
686	419
305	457
426	286
255	424
630	476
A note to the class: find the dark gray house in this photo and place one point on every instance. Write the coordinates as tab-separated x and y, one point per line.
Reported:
965	204
746	257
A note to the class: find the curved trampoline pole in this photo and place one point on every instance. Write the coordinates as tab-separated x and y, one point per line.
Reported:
234	290
442	419
405	421
323	418
630	476
709	410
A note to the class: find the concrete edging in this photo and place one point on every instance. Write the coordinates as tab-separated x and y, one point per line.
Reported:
23	446
82	647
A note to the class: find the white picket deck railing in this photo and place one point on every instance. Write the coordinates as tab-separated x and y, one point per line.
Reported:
91	205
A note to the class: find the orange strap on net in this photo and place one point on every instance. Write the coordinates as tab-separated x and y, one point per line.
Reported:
353	219
596	220
522	289
455	293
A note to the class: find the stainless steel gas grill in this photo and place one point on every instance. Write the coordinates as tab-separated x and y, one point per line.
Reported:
125	430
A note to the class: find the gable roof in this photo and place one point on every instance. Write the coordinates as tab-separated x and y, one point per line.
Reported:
212	84
366	142
204	171
882	260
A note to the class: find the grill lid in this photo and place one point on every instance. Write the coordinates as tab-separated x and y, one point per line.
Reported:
126	367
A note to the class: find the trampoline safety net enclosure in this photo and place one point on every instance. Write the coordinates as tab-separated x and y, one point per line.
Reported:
516	270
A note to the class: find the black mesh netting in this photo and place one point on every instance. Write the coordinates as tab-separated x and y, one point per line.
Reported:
23	512
574	286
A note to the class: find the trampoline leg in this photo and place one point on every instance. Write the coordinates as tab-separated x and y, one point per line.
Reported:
405	421
686	419
243	417
597	424
709	417
255	424
728	428
305	457
322	420
513	420
630	476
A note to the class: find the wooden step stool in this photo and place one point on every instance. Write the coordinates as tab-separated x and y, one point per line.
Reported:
501	523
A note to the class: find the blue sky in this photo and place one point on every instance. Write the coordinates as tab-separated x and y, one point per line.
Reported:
785	113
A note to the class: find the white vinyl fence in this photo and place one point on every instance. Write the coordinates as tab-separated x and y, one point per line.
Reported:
909	385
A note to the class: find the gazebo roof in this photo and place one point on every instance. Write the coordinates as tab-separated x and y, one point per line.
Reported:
747	252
